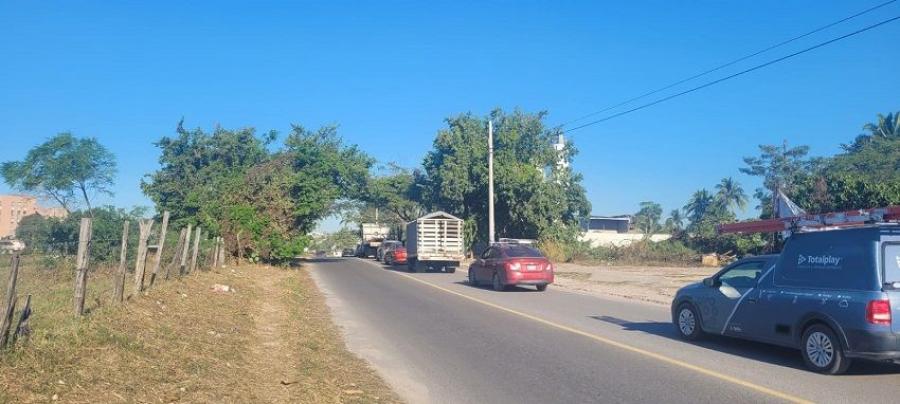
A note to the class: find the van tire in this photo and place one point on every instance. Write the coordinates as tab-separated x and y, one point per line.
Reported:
822	351
691	330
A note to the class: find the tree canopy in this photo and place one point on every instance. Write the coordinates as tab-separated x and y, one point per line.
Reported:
65	168
535	197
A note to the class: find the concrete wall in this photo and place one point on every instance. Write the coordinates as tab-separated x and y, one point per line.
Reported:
614	239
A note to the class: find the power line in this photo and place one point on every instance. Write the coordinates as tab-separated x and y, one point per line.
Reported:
757	67
720	67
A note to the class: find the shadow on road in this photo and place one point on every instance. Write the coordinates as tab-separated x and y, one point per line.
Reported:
759	351
488	286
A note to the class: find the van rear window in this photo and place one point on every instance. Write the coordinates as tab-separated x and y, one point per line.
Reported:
891	262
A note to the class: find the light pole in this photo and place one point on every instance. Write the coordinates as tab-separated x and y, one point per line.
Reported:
490	182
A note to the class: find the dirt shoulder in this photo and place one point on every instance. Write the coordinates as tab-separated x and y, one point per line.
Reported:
655	285
270	340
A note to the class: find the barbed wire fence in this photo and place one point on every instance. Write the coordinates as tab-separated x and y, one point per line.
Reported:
148	253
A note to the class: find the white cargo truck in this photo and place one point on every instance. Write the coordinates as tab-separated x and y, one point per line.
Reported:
434	242
372	234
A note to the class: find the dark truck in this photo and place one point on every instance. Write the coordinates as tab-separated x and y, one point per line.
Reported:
832	294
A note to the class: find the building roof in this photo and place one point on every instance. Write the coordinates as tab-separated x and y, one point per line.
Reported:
439	215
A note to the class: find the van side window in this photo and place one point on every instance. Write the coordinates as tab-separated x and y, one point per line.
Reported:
742	275
891	262
832	260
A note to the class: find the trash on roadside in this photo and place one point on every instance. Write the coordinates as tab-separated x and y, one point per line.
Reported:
222	288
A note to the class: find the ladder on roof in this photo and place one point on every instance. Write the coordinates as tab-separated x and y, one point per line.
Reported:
809	222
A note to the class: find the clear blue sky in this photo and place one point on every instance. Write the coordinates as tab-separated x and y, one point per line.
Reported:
388	73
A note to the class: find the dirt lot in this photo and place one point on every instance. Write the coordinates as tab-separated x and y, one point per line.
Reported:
655	285
271	340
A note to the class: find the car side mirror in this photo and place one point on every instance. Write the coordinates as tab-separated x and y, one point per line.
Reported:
709	282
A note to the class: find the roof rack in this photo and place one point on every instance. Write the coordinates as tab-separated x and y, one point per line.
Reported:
817	222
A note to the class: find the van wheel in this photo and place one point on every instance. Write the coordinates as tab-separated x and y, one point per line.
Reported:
822	351
687	322
495	282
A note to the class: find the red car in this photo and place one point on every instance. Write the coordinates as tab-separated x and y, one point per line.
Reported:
395	254
510	264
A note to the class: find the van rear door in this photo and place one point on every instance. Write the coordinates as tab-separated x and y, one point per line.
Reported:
890	264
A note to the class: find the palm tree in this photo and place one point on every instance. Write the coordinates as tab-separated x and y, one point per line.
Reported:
731	194
887	126
675	222
699	204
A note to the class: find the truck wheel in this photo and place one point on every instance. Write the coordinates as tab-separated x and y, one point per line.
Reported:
411	264
451	270
495	282
822	351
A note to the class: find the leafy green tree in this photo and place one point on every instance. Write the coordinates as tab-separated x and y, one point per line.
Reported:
62	167
535	197
781	167
647	219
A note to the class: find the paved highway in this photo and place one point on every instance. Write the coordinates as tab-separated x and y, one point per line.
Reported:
437	339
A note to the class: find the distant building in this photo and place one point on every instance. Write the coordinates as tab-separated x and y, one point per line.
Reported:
15	207
613	231
620	224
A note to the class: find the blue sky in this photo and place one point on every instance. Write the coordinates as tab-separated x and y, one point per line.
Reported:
389	73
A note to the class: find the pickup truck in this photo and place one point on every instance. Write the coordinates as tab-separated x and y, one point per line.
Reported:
832	294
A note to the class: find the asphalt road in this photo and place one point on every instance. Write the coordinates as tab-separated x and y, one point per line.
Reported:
437	339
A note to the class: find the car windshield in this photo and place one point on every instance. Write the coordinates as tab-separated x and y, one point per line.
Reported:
522	251
892	263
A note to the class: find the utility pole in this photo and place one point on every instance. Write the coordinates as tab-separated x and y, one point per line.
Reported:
490	182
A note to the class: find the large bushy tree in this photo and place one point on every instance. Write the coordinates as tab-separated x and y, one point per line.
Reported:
535	196
263	202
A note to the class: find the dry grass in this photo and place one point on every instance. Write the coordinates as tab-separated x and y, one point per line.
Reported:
271	341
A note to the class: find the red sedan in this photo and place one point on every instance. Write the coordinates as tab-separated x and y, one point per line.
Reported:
395	254
510	264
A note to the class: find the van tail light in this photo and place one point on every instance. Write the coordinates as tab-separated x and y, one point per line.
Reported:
513	266
879	312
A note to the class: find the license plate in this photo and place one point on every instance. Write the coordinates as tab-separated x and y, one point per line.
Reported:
531	267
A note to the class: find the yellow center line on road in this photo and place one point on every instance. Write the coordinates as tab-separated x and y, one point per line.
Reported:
620	345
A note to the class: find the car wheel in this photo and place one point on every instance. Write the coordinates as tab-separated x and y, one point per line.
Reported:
822	351
495	282
687	322
541	288
472	280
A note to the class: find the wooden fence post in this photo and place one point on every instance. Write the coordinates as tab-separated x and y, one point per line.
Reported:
159	248
221	251
196	252
215	253
140	263
6	321
22	328
178	248
82	260
184	251
123	263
